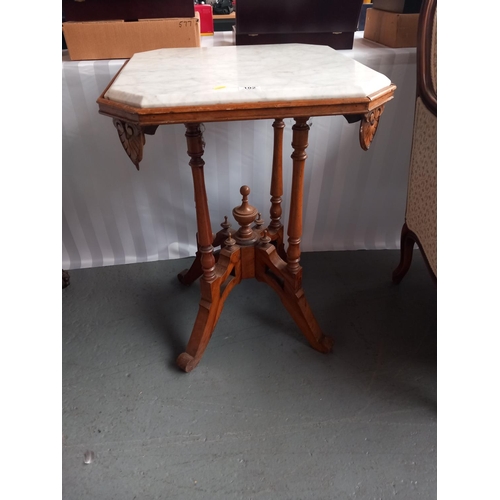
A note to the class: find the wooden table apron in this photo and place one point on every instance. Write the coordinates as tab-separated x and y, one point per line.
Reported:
252	251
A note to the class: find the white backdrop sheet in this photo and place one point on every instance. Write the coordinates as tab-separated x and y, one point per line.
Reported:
112	214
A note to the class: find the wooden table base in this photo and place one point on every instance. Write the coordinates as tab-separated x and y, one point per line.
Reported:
252	251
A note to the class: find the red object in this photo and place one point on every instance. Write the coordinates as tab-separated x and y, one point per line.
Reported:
206	18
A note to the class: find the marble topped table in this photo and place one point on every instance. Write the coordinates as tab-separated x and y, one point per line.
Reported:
201	85
243	74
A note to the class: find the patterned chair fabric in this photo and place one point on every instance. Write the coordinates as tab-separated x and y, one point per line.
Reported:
421	208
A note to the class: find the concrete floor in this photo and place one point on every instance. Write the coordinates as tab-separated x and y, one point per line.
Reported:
263	416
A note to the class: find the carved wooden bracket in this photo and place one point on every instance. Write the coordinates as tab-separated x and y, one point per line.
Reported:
132	139
368	127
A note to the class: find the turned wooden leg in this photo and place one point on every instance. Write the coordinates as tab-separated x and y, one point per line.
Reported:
299	145
195	271
205	320
205	238
275	226
293	297
407	244
285	277
277	176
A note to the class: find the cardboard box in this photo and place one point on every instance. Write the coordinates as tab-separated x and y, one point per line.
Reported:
120	39
391	28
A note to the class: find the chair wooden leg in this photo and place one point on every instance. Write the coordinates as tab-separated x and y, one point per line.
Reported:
407	244
65	278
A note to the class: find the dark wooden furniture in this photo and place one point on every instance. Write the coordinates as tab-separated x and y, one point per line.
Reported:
128	10
420	225
255	249
322	22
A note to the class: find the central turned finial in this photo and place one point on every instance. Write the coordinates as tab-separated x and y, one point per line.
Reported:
245	215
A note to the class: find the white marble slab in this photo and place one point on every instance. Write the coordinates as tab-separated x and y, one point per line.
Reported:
241	74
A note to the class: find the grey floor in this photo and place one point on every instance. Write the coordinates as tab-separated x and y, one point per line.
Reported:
263	416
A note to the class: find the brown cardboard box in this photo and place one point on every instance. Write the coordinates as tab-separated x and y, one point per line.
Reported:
120	40
391	28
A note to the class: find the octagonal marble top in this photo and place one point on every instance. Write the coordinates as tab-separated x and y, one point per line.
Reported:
241	74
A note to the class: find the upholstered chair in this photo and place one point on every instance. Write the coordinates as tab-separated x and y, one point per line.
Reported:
420	225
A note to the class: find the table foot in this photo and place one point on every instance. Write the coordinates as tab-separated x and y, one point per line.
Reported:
299	310
213	295
186	362
272	269
204	326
